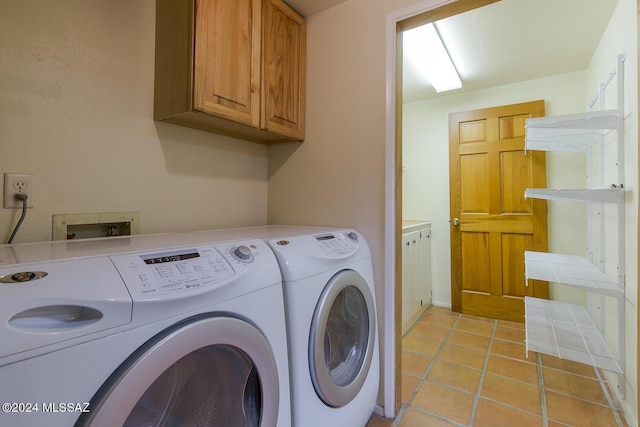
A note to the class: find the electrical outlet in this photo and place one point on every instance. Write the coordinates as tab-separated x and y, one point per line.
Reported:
17	183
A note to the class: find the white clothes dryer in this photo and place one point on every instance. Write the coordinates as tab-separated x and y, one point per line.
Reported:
330	301
331	318
145	330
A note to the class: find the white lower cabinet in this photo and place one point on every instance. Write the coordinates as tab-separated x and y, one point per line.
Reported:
416	271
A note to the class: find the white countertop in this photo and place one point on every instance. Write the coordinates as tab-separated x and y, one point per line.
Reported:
410	225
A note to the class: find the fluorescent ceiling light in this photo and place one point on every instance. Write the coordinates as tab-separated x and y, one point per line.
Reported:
424	48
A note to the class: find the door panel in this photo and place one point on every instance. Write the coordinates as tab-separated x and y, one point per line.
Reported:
227	59
474	183
513	266
473	131
514	167
476	274
489	172
512	127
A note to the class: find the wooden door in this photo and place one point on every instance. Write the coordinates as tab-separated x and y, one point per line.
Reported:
227	59
284	70
491	222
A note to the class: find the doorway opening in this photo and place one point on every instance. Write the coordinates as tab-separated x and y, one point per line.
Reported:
432	10
411	17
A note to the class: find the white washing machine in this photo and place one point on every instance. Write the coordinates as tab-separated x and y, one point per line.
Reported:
146	330
331	317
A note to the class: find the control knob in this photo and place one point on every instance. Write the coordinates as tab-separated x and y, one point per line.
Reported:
243	253
353	236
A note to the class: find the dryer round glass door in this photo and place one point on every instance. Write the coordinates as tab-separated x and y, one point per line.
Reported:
342	338
218	371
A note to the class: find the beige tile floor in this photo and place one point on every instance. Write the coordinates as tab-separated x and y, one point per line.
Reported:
461	370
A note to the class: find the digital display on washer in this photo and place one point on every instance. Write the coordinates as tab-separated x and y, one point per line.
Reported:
170	271
170	256
325	237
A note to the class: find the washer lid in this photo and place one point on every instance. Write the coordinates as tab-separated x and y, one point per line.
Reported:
54	302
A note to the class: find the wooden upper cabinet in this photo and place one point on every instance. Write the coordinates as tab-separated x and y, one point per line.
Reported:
283	72
227	59
231	67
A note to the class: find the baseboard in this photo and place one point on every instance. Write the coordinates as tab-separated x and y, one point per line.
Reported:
441	304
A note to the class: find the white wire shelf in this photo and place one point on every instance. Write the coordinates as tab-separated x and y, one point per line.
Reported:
570	270
566	331
567	140
561	329
604	119
592	195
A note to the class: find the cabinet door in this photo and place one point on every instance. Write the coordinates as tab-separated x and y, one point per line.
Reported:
227	59
284	67
410	276
425	266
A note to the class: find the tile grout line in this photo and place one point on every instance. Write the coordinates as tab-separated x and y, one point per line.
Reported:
407	405
543	393
400	415
603	383
452	328
508	405
581	399
476	399
477	396
433	361
439	417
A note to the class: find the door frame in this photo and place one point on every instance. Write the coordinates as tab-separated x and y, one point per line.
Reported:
408	17
393	204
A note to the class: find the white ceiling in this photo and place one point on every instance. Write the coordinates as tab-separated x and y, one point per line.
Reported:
508	41
517	40
307	8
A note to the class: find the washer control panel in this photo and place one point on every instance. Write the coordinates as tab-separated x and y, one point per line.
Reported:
182	270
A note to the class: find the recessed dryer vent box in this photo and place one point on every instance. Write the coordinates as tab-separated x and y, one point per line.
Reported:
92	225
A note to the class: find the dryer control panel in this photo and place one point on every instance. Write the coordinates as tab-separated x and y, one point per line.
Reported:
302	256
182	270
332	245
337	244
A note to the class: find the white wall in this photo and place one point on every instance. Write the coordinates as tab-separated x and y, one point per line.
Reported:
76	111
336	177
426	167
